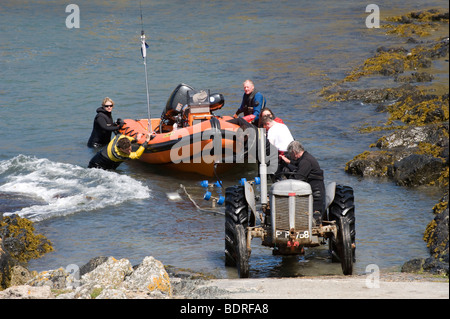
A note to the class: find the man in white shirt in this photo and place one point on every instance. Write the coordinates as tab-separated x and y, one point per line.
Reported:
278	134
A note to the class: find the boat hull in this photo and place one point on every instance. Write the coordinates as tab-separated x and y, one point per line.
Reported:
207	147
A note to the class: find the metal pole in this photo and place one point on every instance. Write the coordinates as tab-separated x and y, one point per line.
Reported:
144	55
262	164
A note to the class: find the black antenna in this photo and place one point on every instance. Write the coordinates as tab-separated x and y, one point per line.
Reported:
142	21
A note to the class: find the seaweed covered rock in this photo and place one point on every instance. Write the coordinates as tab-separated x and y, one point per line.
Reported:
419	108
415	77
373	95
18	245
20	275
396	61
373	163
6	264
412	156
436	237
416	152
20	240
416	23
414	136
416	170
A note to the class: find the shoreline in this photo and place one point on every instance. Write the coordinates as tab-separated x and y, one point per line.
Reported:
109	278
414	151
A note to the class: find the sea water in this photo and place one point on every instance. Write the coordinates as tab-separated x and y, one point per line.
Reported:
54	77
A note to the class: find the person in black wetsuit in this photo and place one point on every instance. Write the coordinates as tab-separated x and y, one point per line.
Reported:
118	151
103	125
303	166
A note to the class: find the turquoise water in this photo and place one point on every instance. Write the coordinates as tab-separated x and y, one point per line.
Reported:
53	78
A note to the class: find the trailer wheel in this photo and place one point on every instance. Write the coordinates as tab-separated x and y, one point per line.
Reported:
236	222
342	210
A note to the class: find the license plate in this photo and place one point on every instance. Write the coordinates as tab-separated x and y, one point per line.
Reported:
286	234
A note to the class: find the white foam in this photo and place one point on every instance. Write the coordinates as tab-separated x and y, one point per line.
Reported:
66	188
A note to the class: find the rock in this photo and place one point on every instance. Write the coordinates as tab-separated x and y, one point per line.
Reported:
27	292
20	275
414	265
436	266
69	295
372	95
436	236
435	134
149	276
18	244
415	77
109	274
109	278
102	278
417	155
6	264
20	241
112	294
87	291
55	279
416	170
375	163
92	264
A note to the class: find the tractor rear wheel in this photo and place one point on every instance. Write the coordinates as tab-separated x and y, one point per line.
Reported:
236	222
344	246
342	211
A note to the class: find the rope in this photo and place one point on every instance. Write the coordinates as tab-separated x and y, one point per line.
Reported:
196	205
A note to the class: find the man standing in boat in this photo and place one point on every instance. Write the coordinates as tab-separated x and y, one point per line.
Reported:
117	151
252	103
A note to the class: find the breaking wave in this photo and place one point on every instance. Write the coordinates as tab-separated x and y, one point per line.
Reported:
58	189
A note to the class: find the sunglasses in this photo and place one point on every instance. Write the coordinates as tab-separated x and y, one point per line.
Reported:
108	105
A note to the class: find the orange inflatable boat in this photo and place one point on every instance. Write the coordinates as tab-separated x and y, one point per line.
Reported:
189	137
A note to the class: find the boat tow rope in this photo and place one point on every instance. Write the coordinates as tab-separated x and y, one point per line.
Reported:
144	47
197	206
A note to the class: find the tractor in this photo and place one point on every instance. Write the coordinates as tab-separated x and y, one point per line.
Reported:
283	218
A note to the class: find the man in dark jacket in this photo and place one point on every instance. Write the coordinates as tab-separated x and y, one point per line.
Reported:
303	166
103	125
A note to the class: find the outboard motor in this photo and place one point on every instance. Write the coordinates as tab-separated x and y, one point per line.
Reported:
177	99
186	100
